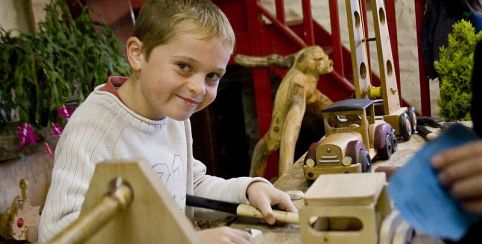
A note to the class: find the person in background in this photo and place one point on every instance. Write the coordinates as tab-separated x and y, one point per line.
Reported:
178	53
438	18
460	168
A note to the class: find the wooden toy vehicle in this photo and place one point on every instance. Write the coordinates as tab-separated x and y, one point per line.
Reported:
337	210
351	132
402	119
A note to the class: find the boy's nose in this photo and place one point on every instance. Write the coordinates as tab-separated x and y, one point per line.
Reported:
197	86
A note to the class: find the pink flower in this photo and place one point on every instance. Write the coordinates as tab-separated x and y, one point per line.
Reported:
56	130
65	111
26	136
48	150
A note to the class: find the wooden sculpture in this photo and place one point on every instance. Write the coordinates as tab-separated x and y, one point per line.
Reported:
21	218
296	93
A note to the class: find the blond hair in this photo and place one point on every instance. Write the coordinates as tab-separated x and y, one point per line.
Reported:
160	20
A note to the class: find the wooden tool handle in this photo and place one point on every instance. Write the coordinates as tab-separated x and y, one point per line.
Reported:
247	210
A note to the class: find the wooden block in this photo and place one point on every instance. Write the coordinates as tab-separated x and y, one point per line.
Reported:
349	206
345	189
363	216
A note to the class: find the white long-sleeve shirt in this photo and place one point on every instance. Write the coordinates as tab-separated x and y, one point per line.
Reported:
103	128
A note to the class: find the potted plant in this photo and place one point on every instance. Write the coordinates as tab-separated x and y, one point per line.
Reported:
455	71
44	74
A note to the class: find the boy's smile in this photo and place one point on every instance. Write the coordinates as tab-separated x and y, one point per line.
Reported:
190	101
179	78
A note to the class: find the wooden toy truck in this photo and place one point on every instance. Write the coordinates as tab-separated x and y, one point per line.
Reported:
351	135
351	208
402	119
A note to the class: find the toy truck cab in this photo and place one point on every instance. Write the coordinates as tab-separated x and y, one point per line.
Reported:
351	132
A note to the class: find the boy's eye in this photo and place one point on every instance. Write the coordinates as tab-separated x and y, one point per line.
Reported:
184	67
213	77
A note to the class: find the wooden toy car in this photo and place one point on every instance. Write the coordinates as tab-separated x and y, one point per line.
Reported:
351	133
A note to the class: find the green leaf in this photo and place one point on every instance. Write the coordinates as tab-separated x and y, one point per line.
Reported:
65	59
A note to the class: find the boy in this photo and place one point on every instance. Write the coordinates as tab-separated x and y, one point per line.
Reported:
178	53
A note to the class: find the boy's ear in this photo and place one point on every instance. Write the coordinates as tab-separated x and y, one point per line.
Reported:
134	53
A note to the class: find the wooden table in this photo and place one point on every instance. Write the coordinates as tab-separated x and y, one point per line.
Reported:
293	179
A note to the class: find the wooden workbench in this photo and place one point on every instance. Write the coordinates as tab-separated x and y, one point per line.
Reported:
293	179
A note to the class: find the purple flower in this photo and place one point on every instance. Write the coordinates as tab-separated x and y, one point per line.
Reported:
48	150
26	136
56	129
65	111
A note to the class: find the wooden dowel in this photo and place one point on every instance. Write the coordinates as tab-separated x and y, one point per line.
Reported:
247	210
90	222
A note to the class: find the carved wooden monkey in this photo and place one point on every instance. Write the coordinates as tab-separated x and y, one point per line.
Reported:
296	93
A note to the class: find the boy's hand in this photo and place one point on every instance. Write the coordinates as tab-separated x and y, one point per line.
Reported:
262	196
461	171
224	234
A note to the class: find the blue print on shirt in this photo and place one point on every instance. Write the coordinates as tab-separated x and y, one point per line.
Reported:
173	177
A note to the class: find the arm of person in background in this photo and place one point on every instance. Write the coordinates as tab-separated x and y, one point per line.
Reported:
460	168
461	171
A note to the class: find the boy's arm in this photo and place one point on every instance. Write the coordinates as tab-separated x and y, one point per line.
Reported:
232	190
75	157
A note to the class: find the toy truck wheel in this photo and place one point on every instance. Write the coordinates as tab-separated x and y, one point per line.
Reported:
405	126
412	116
385	152
365	161
393	139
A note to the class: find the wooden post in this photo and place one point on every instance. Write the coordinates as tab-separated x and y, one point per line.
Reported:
358	47
389	81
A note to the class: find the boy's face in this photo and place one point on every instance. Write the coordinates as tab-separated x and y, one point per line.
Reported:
181	77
